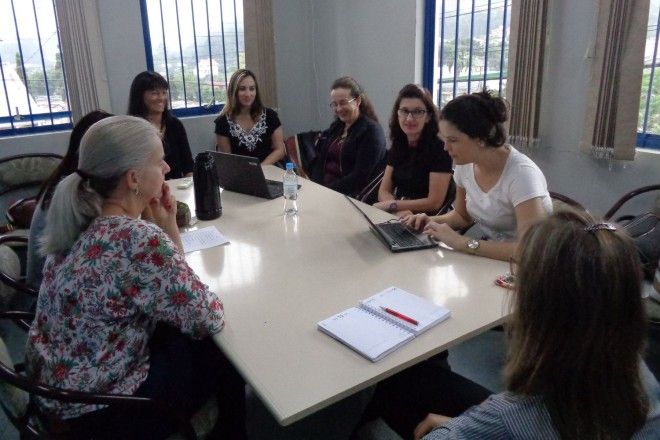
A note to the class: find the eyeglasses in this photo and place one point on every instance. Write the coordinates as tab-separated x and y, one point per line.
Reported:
416	114
341	103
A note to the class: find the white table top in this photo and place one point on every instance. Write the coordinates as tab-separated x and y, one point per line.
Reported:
280	275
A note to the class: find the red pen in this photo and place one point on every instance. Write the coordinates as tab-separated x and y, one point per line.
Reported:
400	315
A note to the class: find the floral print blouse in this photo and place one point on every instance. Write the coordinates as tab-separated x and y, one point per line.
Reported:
99	304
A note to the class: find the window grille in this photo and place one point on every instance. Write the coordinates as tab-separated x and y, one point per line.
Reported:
34	94
196	45
466	46
648	134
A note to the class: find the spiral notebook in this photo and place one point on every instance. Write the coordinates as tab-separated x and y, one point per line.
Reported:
383	322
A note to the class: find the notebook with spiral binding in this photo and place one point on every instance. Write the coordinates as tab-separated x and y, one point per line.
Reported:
383	322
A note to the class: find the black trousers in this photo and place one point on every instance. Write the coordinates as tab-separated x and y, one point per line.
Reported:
405	399
183	373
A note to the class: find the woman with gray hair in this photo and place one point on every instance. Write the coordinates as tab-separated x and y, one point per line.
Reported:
118	304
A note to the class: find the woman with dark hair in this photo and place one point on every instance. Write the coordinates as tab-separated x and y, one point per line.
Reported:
497	187
35	262
352	151
576	340
149	99
245	126
418	172
119	309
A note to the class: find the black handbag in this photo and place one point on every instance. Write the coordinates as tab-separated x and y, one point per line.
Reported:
645	232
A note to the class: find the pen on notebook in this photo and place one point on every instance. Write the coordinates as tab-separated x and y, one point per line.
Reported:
400	315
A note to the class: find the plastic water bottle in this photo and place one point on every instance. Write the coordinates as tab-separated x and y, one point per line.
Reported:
290	183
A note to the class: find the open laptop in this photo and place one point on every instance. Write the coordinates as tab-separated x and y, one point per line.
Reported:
396	236
243	174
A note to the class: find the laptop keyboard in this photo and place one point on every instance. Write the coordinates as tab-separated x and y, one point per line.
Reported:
401	235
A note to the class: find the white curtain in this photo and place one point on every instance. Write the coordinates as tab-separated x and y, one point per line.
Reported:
82	54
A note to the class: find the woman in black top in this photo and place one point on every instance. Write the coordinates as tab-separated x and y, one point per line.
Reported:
352	151
149	100
418	172
245	126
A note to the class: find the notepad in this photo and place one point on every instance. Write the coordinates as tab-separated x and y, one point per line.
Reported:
374	332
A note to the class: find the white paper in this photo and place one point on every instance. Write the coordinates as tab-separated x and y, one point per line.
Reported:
204	238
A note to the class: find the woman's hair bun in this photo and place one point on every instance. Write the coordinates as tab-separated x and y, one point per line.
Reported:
495	105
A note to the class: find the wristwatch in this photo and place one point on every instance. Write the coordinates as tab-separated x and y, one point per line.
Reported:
473	245
394	206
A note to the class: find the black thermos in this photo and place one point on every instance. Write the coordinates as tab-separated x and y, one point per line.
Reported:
207	191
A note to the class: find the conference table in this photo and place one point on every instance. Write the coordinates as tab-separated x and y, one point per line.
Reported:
280	275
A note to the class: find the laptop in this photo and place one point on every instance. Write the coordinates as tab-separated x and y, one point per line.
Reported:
243	174
396	236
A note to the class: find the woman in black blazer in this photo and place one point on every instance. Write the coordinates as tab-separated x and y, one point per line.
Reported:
352	151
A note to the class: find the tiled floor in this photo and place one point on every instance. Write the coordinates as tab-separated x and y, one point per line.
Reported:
479	359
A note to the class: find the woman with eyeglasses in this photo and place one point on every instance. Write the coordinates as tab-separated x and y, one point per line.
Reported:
576	340
418	172
351	152
497	187
149	99
245	126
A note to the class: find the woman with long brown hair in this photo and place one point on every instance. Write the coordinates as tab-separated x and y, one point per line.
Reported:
245	126
576	339
352	151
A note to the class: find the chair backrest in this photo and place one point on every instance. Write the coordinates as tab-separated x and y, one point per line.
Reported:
561	202
369	193
630	195
13	400
301	150
10	280
26	169
10	266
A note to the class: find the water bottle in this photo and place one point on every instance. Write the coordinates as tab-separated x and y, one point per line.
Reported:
207	192
290	183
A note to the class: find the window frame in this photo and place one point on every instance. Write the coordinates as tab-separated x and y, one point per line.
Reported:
644	138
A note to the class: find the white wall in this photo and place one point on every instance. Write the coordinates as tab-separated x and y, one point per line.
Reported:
317	41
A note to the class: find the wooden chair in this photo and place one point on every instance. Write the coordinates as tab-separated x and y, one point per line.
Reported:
17	393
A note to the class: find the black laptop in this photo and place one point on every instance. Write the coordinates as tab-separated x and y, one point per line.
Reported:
396	236
243	174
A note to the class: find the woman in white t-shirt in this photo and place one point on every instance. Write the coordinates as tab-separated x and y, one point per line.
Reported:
497	187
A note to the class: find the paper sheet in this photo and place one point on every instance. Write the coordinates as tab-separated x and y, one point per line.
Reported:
204	238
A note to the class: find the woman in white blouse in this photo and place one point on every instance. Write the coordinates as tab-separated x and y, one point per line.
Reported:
497	187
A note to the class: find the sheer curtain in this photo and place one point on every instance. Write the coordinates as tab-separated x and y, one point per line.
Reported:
610	126
82	53
525	73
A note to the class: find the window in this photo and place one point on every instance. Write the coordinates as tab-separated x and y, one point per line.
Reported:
33	94
196	45
648	124
466	46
